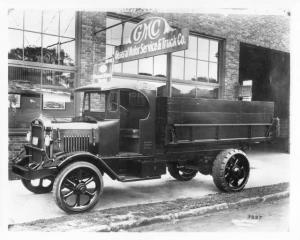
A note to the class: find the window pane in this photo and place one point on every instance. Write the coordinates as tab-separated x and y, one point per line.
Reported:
63	80
203	48
190	69
109	51
50	45
160	65
113	35
32	47
127	30
191	52
213	72
33	20
67	23
24	79
202	71
67	52
213	51
180	90
58	100
97	103
179	53
15	18
146	66
50	22
177	67
15	40
210	93
26	83
117	67
130	67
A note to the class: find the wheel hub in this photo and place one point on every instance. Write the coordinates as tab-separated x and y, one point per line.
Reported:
80	188
237	172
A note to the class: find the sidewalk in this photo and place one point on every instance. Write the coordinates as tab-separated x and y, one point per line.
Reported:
266	168
124	218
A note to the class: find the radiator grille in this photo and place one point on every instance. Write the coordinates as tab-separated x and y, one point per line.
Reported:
75	143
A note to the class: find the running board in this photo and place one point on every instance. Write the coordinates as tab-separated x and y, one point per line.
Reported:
135	179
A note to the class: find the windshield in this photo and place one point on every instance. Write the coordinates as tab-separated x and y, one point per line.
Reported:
94	102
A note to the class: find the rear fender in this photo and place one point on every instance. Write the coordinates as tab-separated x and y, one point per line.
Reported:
67	159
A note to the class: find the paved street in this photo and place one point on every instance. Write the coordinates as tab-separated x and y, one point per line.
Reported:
267	168
266	217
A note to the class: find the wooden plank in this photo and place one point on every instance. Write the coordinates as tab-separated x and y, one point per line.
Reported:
217	105
217	117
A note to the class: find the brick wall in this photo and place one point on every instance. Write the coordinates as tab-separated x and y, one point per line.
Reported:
15	144
265	31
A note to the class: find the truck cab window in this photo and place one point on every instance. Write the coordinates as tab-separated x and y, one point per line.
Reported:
97	102
86	101
113	101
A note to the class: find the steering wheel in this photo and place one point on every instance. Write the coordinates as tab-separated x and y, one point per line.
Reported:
124	108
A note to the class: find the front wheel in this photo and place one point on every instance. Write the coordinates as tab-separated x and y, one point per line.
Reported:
231	170
39	186
180	172
77	188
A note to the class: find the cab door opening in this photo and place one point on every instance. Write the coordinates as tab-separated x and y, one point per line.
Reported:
134	106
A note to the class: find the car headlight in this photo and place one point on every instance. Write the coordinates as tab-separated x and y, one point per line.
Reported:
28	136
47	140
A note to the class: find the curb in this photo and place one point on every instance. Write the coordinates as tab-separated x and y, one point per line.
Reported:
131	223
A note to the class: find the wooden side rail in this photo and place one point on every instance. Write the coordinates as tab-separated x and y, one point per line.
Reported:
217	124
218	133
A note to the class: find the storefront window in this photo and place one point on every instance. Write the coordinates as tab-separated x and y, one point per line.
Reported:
43	36
39	91
200	61
152	66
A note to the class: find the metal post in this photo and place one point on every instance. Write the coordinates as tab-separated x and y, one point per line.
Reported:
169	75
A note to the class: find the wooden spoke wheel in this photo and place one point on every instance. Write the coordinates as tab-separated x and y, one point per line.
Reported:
39	186
181	173
77	187
231	170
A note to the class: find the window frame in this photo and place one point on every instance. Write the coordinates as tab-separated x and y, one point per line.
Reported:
220	62
42	34
48	66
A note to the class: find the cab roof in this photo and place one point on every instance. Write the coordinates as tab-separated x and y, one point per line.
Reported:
117	85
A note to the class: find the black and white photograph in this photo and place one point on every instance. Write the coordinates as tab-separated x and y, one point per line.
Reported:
138	120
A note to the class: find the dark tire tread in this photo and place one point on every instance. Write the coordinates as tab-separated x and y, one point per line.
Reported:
218	169
36	189
174	172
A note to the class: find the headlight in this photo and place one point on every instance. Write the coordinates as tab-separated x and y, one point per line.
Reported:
47	140
28	136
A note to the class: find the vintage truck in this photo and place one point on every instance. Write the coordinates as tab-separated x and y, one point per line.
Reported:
133	134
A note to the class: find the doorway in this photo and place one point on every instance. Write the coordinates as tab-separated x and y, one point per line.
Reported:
269	71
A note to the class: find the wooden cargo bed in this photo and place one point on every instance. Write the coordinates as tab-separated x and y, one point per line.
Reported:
191	120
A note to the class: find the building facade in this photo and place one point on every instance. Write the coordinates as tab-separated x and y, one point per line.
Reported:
52	52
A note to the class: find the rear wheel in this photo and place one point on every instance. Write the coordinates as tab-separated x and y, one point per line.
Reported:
77	188
231	170
181	173
39	186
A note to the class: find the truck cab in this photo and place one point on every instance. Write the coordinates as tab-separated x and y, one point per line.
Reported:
131	114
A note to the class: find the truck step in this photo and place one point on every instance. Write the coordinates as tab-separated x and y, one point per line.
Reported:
127	178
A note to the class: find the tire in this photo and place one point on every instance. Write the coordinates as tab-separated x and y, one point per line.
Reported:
231	170
181	173
39	186
72	185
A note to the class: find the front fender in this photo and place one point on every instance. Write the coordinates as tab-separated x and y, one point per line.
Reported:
68	158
